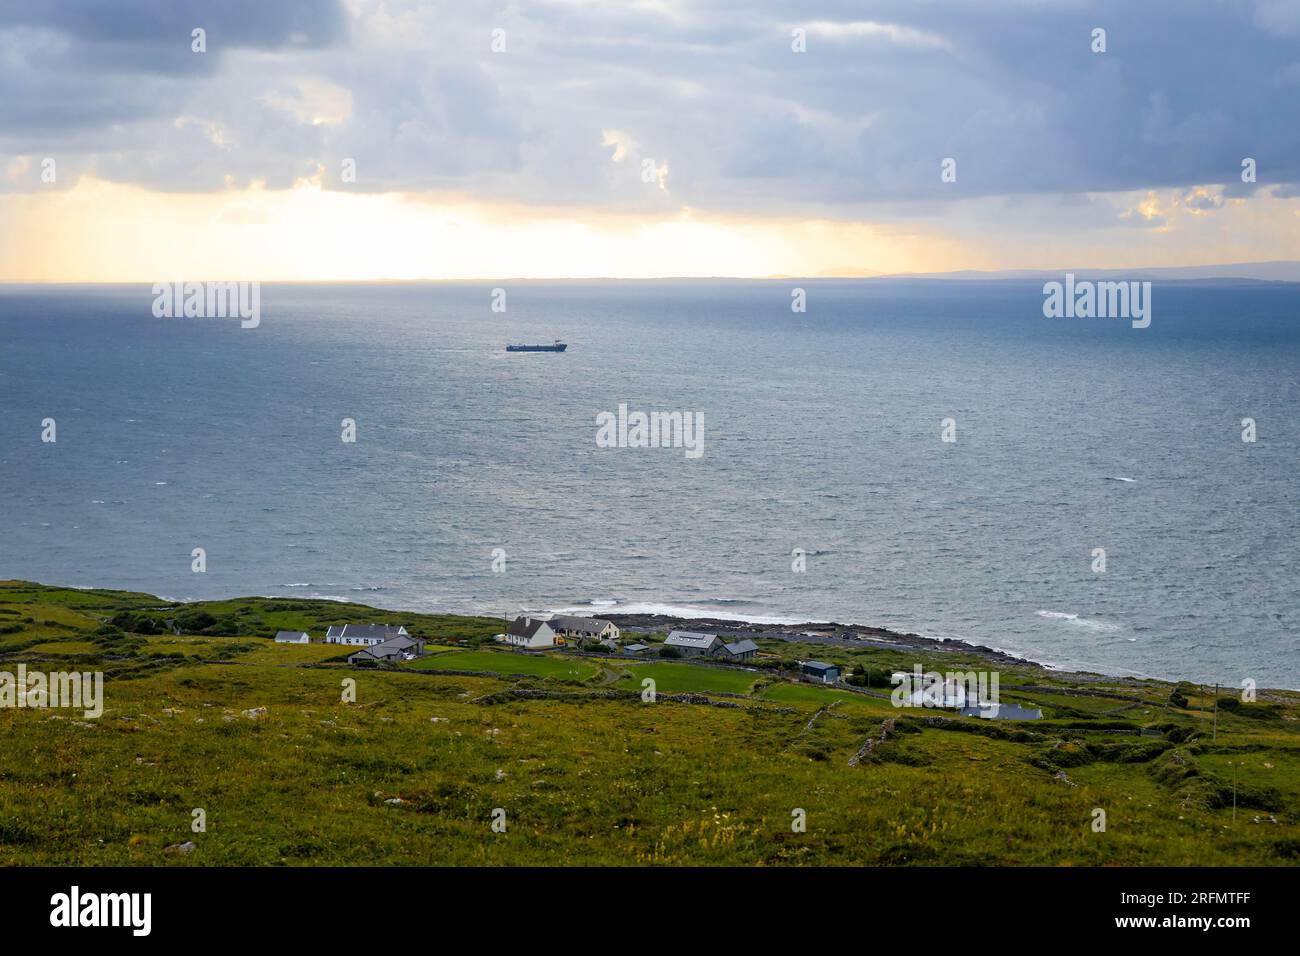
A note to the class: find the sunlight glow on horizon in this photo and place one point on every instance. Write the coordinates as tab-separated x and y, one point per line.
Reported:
105	232
99	231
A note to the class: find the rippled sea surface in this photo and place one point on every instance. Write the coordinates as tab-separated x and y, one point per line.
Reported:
822	432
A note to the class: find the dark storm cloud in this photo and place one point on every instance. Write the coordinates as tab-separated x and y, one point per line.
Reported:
1010	89
156	24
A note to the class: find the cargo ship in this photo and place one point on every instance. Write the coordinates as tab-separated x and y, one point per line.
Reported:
558	346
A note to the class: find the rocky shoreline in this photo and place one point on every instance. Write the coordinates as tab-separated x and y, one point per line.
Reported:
842	635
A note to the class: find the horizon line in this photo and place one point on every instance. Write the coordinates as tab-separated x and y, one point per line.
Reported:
955	274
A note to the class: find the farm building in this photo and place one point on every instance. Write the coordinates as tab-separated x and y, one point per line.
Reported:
395	649
583	629
292	637
635	649
743	650
364	635
694	644
938	692
529	632
819	671
1003	712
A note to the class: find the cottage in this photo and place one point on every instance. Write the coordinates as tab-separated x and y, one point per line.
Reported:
292	637
935	690
529	632
363	635
1003	712
818	671
399	648
583	629
694	644
742	650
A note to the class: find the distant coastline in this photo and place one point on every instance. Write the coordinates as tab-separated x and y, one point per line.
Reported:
830	633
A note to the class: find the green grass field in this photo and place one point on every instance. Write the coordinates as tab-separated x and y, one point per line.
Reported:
820	696
679	678
260	738
507	662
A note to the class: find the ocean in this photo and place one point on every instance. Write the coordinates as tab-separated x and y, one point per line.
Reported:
476	482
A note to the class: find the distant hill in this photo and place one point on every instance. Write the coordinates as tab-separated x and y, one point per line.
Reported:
1280	271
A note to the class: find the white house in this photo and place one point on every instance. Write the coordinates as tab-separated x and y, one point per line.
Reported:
915	689
529	632
292	637
363	635
583	629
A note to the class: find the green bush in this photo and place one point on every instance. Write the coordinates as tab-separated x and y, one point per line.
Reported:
194	622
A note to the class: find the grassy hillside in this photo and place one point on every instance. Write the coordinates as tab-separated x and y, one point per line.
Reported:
256	734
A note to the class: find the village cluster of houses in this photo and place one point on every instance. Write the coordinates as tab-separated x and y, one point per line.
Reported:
378	642
390	643
536	632
558	630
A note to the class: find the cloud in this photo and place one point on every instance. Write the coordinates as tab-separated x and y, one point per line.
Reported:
892	32
1201	200
414	95
1281	17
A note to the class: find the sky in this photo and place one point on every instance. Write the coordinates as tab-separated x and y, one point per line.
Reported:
398	139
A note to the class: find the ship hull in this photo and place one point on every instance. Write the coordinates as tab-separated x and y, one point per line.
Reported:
536	348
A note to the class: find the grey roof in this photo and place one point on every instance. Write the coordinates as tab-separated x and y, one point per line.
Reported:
820	666
525	626
741	647
291	635
1003	712
583	625
636	648
399	643
691	639
366	630
386	650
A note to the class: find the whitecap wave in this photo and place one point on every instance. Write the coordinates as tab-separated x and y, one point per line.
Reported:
1085	622
684	611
